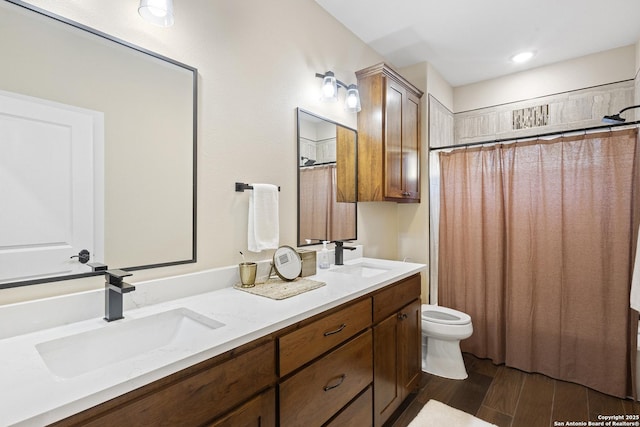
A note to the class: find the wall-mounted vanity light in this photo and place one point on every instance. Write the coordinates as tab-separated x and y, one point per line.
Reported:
329	92
352	103
158	12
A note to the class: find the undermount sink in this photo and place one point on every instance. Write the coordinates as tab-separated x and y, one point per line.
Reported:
363	269
176	332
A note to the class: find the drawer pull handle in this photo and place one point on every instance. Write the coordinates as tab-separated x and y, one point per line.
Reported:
402	316
340	381
344	325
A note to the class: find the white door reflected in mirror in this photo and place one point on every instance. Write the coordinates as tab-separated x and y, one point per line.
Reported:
49	153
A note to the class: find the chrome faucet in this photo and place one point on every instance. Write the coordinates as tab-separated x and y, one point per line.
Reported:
114	288
339	251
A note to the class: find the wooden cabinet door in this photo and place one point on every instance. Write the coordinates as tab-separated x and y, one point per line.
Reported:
395	98
387	396
397	366
357	414
409	348
411	148
192	400
258	412
346	167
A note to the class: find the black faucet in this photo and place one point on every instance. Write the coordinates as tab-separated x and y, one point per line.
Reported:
339	251
114	288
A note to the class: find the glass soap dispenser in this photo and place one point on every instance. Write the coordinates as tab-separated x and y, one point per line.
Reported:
323	259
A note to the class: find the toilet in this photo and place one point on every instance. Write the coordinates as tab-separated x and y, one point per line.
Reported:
442	330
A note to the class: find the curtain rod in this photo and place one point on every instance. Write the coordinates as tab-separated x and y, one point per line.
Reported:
318	164
540	135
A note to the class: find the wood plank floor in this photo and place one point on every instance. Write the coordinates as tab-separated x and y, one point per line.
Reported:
508	397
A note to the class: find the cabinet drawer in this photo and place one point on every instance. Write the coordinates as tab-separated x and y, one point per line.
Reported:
199	398
357	414
313	395
258	412
394	297
303	345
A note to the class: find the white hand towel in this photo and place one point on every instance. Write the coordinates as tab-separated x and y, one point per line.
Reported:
635	280
264	228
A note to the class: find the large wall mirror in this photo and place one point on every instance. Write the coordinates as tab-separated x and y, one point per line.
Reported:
327	175
97	141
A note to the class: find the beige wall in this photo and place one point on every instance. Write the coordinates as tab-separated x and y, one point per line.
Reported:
605	67
413	218
637	57
438	87
256	62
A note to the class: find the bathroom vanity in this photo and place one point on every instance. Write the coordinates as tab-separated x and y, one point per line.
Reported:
318	358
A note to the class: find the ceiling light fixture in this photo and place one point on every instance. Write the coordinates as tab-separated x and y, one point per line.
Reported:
522	57
329	92
158	12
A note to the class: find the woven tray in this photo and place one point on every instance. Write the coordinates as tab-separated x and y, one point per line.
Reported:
279	289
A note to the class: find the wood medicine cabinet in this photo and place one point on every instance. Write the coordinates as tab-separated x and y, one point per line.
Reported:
388	136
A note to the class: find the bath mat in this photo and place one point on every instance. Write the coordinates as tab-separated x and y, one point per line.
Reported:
435	413
279	289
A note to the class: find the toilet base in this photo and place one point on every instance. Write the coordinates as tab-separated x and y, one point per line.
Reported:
443	358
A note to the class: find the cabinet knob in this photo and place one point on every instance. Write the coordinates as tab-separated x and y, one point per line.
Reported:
406	194
402	316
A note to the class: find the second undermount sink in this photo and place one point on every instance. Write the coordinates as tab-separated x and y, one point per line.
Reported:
156	336
362	269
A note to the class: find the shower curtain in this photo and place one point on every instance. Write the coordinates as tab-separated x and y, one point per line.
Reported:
321	215
535	243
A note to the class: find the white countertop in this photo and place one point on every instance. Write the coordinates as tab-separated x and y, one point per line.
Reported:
30	394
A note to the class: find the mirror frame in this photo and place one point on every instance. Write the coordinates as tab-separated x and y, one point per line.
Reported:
190	69
299	154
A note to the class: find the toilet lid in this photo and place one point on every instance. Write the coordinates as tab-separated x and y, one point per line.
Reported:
444	315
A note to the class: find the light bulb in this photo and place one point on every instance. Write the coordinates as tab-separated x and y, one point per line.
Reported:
352	103
329	88
158	12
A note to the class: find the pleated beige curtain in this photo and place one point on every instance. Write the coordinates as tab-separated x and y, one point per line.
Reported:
315	188
341	214
536	245
321	215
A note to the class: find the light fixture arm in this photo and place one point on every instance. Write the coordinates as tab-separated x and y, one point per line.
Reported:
628	108
330	86
338	82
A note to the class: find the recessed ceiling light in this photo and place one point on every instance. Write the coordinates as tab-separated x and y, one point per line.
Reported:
522	57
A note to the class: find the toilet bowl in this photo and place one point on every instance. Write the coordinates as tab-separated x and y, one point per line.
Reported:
442	330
